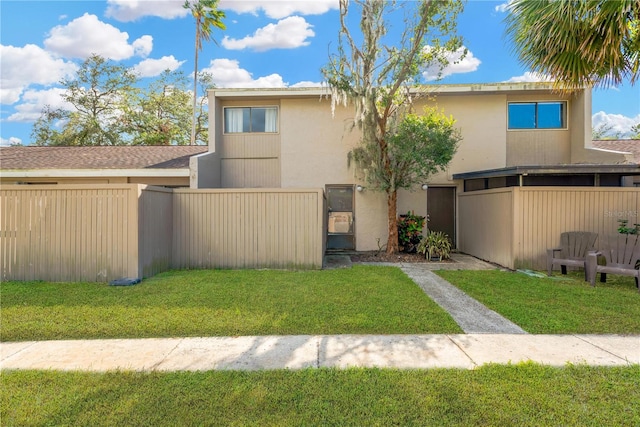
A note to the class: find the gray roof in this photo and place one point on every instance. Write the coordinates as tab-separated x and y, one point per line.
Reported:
103	157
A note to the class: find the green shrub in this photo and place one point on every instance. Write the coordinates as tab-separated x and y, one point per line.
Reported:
623	227
410	228
436	244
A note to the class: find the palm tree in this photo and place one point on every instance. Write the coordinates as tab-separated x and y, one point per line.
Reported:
207	17
578	42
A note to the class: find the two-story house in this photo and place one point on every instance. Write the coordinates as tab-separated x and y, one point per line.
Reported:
524	134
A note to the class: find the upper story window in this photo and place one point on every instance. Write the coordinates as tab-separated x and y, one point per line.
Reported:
250	119
538	115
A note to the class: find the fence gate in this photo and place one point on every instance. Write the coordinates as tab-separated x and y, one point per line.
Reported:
341	224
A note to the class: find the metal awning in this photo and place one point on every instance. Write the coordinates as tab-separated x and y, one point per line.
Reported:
551	170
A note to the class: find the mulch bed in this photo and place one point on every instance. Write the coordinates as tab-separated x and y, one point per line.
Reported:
375	256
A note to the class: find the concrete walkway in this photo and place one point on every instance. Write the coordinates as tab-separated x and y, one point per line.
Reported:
472	316
339	351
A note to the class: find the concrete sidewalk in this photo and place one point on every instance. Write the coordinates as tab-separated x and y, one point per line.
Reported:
303	351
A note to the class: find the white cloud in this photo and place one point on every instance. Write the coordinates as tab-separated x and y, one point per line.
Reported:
618	123
155	67
504	7
143	46
131	10
530	77
87	35
288	33
22	66
307	84
456	65
278	9
34	101
11	141
226	73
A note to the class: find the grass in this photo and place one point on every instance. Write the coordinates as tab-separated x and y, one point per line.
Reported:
362	300
523	395
557	305
365	299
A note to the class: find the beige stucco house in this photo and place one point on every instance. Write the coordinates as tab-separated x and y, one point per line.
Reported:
524	134
273	189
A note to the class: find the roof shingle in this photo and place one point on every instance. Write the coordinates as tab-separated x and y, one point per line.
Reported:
103	157
627	145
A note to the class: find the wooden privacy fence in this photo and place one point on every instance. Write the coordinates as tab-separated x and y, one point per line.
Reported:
98	233
248	228
87	233
515	226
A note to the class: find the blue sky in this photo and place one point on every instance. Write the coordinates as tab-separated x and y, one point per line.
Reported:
273	43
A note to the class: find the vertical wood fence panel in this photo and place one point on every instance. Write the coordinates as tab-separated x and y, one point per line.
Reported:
248	228
98	233
536	217
546	212
155	222
486	225
69	233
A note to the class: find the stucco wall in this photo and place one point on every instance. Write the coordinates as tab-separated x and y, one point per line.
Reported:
481	119
205	170
315	144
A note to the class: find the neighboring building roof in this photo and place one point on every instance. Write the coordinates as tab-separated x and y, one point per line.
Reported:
626	145
551	170
621	145
109	157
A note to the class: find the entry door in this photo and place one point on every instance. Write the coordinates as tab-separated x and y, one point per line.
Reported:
441	208
341	224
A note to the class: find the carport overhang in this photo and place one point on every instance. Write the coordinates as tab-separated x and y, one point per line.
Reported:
551	175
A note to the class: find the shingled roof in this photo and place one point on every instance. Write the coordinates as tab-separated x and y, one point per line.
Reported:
627	145
110	157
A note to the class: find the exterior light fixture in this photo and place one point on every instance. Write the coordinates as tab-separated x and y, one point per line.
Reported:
425	186
359	188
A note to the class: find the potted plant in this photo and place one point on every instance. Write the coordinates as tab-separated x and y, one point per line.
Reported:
435	246
410	231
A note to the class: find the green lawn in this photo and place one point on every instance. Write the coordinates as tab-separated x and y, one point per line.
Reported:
522	395
362	300
557	305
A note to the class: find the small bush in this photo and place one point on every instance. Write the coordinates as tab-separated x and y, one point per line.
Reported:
436	244
410	228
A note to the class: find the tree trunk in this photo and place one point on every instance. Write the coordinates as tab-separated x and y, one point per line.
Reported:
392	209
195	86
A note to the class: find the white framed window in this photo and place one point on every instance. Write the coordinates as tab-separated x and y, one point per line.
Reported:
251	120
537	115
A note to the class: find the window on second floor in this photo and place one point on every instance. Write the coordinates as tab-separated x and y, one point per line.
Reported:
538	115
250	119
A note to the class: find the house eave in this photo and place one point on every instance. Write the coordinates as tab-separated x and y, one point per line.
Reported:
551	170
318	91
94	173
